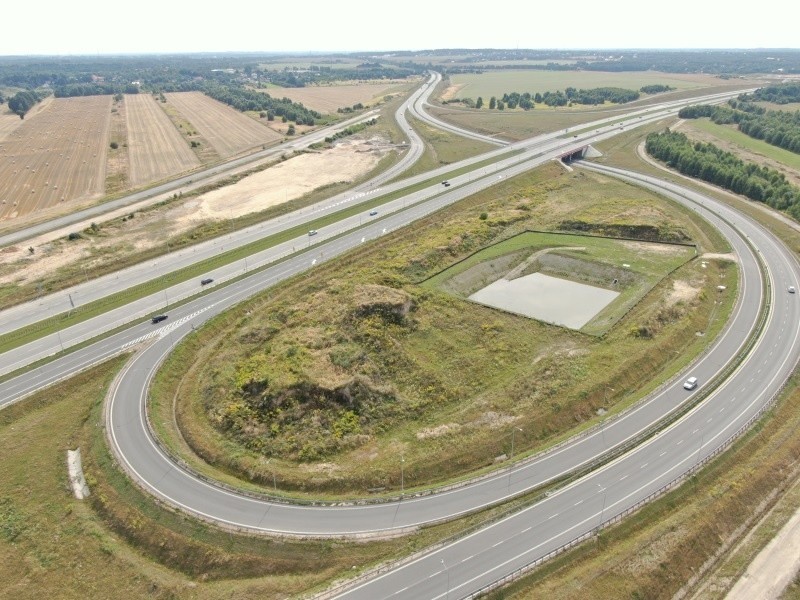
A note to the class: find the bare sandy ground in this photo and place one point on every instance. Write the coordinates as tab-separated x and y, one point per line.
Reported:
773	568
283	182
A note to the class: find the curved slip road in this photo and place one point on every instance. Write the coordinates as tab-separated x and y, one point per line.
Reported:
137	451
477	560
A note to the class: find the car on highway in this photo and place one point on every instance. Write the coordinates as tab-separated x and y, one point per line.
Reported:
206	281
312	232
372	213
791	289
159	318
690	383
446	183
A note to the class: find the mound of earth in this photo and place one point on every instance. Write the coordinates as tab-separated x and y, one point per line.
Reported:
389	303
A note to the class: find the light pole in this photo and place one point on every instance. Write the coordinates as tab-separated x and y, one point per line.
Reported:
603	509
605	396
446	570
514	431
274	482
603	422
402	474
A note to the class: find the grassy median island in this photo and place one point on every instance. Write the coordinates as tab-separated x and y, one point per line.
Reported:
326	383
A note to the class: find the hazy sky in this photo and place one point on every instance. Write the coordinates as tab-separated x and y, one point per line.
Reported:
150	26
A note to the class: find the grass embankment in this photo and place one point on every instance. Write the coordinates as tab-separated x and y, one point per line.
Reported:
324	383
622	151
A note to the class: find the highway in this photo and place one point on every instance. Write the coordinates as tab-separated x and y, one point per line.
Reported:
577	511
508	161
467	565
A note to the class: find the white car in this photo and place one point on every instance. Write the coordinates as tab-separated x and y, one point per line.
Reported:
312	232
791	289
690	383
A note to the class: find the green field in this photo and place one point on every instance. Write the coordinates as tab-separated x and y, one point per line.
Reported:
493	83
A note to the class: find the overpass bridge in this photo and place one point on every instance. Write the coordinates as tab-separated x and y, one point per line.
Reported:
586	151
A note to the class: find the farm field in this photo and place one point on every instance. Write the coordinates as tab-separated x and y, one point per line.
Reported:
519	124
498	83
284	182
155	147
9	121
326	99
57	154
227	130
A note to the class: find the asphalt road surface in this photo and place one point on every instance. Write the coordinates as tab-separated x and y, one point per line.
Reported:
497	551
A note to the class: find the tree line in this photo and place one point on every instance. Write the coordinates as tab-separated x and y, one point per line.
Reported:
708	162
655	89
350	130
243	99
568	97
776	127
21	102
725	63
784	93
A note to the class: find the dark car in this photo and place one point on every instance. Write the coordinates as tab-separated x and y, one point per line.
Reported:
446	183
206	281
372	213
159	318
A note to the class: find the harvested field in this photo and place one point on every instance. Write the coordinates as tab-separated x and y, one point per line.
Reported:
57	154
156	149
9	121
328	98
226	129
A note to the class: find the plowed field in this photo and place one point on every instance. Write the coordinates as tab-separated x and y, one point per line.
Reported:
226	129
156	148
57	154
